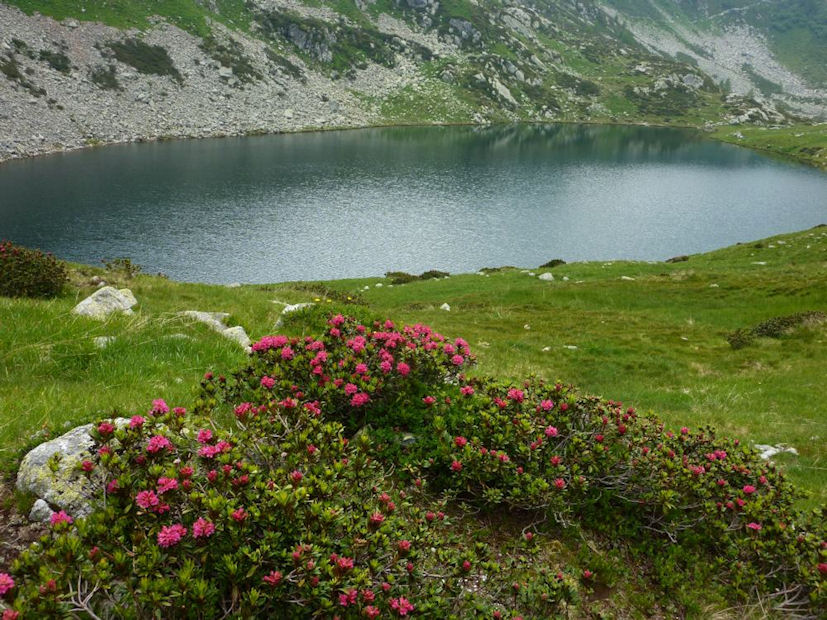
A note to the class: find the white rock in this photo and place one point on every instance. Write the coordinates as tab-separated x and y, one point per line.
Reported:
759	262
531	273
379	285
548	277
526	326
105	301
237	334
234	285
565	278
290	308
101	342
570	347
713	285
215	320
445	307
627	278
41	512
546	349
767	452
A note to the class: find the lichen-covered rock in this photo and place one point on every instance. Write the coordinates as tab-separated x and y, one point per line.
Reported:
105	301
237	334
292	308
52	471
214	320
546	276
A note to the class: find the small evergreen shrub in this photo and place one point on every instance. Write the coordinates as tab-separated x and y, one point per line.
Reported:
56	60
331	493
145	58
774	327
554	262
105	77
29	273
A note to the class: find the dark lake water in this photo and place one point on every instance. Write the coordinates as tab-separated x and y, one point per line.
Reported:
359	203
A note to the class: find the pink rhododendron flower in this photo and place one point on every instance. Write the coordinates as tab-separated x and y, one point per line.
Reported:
560	483
239	514
159	407
748	489
403	369
351	389
456	466
460	442
429	400
296	476
60	517
202	528
516	395
146	499
401	606
136	421
167	484
273	579
267	382
157	443
6	583
87	466
546	405
376	519
171	535
457	360
551	431
204	435
287	353
466	390
105	428
404	546
112	486
359	399
754	526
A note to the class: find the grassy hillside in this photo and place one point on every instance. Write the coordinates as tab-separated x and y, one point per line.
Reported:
805	143
657	341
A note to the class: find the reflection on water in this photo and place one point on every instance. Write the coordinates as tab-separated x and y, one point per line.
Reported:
359	203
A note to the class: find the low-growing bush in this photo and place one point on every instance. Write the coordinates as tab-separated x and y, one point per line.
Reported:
29	273
145	58
329	495
775	327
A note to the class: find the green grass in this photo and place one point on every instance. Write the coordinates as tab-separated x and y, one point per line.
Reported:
805	143
657	342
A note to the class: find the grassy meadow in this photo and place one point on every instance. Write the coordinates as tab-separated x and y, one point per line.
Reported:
652	335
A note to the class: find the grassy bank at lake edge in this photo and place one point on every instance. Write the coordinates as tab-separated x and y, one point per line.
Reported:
650	334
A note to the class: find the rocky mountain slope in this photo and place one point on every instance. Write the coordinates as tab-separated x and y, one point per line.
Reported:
74	75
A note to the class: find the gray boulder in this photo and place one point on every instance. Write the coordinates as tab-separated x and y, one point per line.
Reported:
41	512
52	472
105	301
546	276
215	320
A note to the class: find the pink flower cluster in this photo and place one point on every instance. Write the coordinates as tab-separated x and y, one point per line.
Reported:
171	535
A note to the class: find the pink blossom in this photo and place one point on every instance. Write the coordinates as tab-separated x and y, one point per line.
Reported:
287	353
460	442
361	369
457	360
105	428
273	579
146	499
404	546
403	369
516	395
456	466
376	519
136	421
429	400
551	431
351	389
202	528
267	382
157	443
466	390
748	489
401	606
167	484
171	535
359	399
754	526
6	583
344	564
560	483
372	612
545	405
385	366
269	342
112	486
60	517
239	515
296	476
159	407
204	435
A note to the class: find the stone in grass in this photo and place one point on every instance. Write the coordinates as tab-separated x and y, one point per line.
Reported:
237	334
41	512
290	308
548	277
215	320
101	342
51	471
105	301
445	307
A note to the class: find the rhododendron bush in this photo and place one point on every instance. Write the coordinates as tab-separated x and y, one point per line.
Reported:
322	480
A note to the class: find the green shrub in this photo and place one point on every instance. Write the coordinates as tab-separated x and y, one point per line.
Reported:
330	495
774	327
105	77
56	60
554	262
145	58
123	266
401	277
29	273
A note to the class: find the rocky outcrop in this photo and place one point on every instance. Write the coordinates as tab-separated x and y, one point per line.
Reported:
215	320
106	301
52	472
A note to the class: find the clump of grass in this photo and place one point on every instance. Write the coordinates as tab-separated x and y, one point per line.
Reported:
774	328
145	58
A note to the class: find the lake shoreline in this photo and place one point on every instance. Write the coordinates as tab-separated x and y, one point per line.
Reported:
714	133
